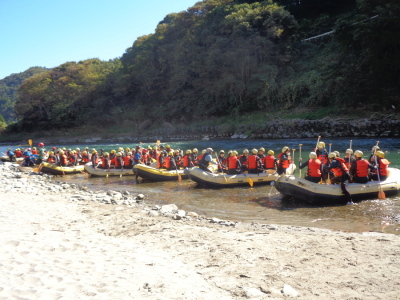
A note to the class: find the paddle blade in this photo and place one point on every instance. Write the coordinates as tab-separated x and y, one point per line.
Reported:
35	169
381	195
250	181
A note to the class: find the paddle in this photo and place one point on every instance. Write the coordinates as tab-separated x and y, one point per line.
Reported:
293	150
177	173
300	156
216	155
381	193
316	147
30	142
37	170
248	178
328	181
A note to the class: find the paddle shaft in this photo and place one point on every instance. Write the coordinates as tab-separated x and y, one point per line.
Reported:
300	156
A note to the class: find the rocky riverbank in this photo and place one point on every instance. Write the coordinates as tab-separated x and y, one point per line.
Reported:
62	240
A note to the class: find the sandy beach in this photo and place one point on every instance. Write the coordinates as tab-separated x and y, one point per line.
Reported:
57	242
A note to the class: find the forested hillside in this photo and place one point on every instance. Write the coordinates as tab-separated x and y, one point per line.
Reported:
8	91
226	58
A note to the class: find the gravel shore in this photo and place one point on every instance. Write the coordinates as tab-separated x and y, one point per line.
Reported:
62	241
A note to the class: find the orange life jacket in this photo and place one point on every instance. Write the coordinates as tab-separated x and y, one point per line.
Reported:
186	161
51	159
283	163
252	161
34	152
383	165
64	160
104	162
232	162
167	162
127	161
361	167
18	153
269	161
314	168
85	159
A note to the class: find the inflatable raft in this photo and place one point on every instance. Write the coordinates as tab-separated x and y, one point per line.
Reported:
218	180
328	194
154	174
107	172
58	170
6	158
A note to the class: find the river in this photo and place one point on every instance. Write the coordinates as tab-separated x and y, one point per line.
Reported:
262	204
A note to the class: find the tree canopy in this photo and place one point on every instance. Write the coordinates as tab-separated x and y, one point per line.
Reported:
228	57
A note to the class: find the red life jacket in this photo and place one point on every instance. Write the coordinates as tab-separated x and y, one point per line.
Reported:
252	161
51	159
145	158
383	165
314	168
127	161
361	167
18	153
232	162
118	162
72	159
34	152
104	162
64	160
200	157
343	163
85	159
167	162
269	162
283	163
186	161
159	163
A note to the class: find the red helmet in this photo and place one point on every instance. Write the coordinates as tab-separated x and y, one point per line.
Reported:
40	144
54	148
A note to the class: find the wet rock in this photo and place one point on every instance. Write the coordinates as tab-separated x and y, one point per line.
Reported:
140	197
215	220
254	293
181	213
288	291
176	217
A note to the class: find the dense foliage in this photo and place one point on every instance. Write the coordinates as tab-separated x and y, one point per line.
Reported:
228	57
8	91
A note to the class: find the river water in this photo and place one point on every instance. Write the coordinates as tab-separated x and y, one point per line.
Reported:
262	204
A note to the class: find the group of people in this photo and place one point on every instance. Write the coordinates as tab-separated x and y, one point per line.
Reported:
331	168
30	156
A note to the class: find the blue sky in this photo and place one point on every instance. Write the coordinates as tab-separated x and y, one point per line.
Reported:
48	33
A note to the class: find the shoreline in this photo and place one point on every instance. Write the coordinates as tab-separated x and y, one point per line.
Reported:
115	250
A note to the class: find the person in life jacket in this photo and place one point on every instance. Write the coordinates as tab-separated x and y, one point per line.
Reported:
34	151
10	154
145	158
41	153
381	171
186	161
85	158
200	157
177	157
206	160
360	168
73	160
348	159
270	162
371	158
314	168
137	156
28	158
105	161
261	154
321	153
78	153
195	157
95	158
284	160
112	157
63	161
233	164
119	163
161	160
243	160
169	162
52	159
128	161
254	163
18	153
340	175
221	160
